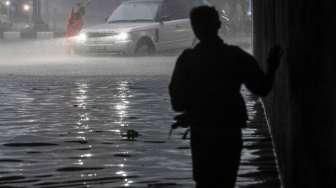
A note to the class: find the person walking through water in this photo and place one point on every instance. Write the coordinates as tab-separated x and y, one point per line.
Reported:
205	88
75	24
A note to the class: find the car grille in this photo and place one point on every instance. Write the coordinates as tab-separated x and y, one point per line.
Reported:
97	35
96	42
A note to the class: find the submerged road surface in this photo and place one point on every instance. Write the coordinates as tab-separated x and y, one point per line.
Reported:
64	122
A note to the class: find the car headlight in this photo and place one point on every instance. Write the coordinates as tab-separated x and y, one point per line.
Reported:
82	37
122	36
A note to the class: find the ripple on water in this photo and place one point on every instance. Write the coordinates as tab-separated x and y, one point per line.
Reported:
79	182
100	110
11	178
33	152
75	169
163	185
10	161
83	149
32	144
183	148
30	141
108	143
155	141
77	141
124	155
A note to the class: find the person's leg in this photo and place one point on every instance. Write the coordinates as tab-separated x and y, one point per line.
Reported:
67	46
216	157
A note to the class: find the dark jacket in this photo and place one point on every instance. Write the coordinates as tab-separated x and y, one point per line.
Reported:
207	79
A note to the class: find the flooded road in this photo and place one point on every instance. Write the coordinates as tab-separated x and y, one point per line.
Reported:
49	58
64	122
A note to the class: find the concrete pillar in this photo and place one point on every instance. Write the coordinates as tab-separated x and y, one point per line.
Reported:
302	105
39	24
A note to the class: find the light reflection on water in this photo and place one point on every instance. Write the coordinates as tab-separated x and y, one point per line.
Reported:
121	108
67	131
121	105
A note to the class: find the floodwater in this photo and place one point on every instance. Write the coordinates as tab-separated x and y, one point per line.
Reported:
64	123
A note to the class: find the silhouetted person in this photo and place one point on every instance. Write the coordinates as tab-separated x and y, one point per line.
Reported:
205	87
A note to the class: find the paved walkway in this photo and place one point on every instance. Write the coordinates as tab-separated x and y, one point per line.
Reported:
258	165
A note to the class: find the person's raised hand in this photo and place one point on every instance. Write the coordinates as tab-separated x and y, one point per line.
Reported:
274	58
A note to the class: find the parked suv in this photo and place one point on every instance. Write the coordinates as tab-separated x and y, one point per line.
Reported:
140	27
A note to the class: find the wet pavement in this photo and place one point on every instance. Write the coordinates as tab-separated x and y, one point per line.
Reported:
258	149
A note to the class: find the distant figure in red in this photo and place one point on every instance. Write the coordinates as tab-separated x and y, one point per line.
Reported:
74	25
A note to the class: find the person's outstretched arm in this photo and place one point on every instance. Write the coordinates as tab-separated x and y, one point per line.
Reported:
257	81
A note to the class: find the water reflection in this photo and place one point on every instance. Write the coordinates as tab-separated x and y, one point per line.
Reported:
126	182
82	100
122	104
79	162
82	89
123	173
81	103
85	117
121	107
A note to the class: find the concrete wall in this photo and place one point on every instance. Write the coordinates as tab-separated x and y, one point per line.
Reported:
302	105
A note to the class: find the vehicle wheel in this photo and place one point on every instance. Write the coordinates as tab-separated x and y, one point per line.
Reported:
144	47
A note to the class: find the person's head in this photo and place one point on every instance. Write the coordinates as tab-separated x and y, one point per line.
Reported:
77	16
205	22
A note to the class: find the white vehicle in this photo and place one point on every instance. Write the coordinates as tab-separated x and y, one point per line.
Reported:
140	27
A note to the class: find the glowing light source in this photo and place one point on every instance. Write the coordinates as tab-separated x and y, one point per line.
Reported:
7	3
82	37
26	7
122	36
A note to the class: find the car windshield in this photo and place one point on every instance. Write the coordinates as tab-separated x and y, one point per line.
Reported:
134	11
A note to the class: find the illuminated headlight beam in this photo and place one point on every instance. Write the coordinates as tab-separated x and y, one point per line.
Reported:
82	37
26	7
122	36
